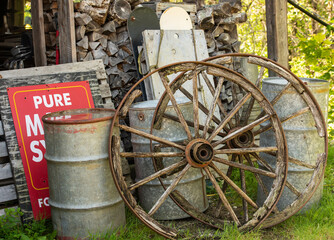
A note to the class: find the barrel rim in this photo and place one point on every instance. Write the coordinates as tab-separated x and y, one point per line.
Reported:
134	107
77	111
313	81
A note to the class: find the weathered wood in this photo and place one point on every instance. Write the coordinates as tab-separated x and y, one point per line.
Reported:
229	116
80	32
94	36
277	32
38	32
98	10
152	137
234	186
82	19
3	149
243	166
109	27
5	171
67	49
222	196
124	111
246	150
120	10
158	173
170	188
7	193
83	43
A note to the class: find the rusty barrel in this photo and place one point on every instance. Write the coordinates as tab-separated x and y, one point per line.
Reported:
83	196
192	186
301	134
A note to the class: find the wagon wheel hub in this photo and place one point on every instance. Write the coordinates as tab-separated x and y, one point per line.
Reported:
199	153
244	140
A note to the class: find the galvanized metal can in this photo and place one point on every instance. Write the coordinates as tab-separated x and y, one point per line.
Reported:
83	197
303	141
192	185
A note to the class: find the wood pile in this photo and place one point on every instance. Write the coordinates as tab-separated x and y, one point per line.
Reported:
219	23
101	33
50	8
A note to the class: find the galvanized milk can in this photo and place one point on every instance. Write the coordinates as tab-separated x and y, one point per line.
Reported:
303	141
83	196
192	185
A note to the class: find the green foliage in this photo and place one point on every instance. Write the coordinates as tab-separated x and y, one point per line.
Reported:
11	227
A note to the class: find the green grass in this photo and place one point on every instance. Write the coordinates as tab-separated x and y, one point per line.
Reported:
315	224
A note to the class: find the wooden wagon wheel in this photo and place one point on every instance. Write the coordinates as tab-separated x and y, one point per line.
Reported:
308	110
207	139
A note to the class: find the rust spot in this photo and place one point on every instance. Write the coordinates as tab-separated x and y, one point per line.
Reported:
0	76
133	18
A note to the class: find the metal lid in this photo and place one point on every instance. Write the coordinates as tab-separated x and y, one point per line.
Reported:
79	116
152	104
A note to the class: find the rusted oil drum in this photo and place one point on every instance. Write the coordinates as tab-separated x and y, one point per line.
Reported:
301	134
192	185
83	196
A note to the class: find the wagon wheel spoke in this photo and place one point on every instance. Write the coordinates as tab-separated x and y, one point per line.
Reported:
266	165
222	196
212	90
243	187
259	180
294	160
287	118
229	116
195	105
191	124
200	105
247	150
151	154
213	106
247	114
235	101
242	130
177	109
171	187
241	192
151	137
245	167
157	174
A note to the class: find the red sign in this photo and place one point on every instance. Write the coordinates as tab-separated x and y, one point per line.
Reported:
28	105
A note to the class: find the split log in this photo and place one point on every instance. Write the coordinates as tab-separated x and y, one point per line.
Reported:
99	53
83	43
120	11
94	36
205	18
98	10
82	18
234	19
112	48
80	32
93	45
109	27
88	57
93	26
104	42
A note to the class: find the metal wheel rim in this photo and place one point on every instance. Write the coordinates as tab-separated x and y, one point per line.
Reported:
309	99
121	185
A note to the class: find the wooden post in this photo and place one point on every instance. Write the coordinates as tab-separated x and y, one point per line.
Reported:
277	31
38	32
67	46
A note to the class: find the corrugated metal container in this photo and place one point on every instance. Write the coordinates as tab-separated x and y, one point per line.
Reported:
192	185
83	196
302	138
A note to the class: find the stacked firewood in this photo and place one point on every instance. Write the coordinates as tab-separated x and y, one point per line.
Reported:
50	27
219	23
101	33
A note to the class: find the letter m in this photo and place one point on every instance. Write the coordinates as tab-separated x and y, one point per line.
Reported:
34	126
